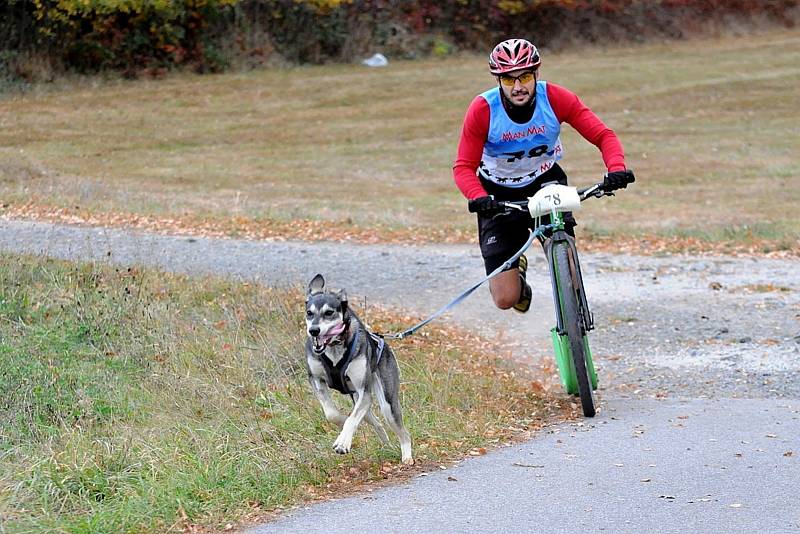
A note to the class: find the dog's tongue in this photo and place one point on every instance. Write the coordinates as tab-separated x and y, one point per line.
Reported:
323	340
335	331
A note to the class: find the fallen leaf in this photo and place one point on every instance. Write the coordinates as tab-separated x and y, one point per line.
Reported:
346	230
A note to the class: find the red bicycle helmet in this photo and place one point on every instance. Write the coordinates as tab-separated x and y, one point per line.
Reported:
513	54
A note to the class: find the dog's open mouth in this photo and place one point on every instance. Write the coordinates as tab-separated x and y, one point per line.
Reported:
322	341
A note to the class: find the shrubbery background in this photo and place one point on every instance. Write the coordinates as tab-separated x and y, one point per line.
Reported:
41	38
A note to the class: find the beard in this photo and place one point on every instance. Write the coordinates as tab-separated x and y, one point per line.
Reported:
522	93
511	100
519	113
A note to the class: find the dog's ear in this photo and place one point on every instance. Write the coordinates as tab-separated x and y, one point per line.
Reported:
343	300
316	285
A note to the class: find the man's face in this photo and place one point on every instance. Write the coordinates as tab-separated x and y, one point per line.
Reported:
519	86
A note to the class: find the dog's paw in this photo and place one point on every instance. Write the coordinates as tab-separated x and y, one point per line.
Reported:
342	445
408	461
341	449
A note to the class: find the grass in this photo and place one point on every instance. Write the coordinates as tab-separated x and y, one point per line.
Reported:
138	401
709	126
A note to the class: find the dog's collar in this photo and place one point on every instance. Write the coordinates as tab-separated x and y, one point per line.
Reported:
350	346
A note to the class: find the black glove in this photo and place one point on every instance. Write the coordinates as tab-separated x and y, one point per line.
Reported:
486	205
618	180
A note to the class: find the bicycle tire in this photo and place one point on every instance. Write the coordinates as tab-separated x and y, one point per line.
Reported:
566	275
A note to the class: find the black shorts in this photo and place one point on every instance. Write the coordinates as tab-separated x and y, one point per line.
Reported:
501	236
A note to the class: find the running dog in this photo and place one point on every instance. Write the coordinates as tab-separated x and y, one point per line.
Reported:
342	354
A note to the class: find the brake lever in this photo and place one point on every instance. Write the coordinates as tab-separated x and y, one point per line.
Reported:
603	193
513	206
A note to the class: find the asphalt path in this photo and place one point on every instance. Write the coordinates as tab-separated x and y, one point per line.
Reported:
641	466
699	360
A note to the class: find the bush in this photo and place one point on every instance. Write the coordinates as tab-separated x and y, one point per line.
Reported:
125	35
135	36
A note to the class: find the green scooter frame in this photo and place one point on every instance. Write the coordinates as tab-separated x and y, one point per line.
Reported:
566	366
561	346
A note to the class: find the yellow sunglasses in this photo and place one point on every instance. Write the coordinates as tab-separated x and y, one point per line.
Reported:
523	78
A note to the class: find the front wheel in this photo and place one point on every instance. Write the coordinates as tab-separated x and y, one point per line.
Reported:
571	317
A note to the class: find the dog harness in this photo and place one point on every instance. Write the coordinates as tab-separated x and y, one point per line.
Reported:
335	373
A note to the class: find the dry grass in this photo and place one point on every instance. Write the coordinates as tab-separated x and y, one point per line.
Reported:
709	126
139	401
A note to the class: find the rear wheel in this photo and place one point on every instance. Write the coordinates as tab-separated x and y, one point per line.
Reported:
571	316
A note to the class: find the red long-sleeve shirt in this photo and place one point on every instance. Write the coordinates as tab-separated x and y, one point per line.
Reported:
567	108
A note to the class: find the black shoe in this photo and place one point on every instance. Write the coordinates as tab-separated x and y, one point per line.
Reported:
523	266
524	302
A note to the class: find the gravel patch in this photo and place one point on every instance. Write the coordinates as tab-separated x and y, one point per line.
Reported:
666	326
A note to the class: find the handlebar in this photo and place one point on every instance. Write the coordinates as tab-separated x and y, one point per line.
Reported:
595	190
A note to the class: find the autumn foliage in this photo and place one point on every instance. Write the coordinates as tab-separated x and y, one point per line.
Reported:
136	36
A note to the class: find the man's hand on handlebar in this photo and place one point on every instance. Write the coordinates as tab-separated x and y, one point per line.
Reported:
612	181
618	180
486	205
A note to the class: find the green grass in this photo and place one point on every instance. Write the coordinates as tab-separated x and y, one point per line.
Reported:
709	126
136	401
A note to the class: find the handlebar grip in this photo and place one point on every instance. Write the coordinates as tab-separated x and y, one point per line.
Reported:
617	180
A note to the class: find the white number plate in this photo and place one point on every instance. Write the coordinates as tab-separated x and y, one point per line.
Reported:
554	198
